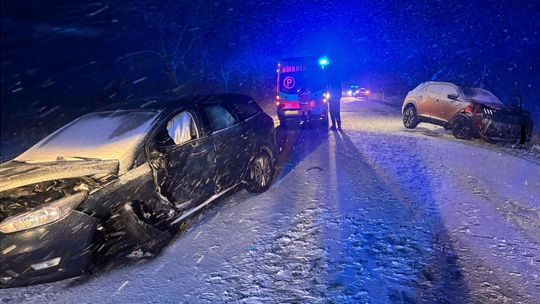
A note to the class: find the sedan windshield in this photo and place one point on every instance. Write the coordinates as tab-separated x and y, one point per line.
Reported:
105	135
481	95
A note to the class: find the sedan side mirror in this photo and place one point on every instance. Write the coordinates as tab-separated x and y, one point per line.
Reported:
453	96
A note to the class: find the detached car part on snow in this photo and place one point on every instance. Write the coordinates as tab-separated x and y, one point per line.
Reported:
467	112
124	180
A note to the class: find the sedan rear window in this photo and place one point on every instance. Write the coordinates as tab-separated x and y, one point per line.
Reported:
245	109
220	118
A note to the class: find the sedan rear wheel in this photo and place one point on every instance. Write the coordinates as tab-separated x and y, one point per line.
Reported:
410	120
260	173
462	126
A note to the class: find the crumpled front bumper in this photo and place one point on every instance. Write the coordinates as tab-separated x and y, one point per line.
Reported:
505	131
69	240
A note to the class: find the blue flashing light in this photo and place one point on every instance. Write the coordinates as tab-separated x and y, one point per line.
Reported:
324	62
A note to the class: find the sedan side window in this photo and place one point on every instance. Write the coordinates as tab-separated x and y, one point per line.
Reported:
220	118
182	128
245	109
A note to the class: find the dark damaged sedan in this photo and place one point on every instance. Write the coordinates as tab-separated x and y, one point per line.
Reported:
126	178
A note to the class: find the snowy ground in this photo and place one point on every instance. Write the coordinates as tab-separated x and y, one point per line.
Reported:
374	214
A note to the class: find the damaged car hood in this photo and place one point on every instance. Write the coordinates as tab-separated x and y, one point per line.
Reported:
498	106
15	174
490	104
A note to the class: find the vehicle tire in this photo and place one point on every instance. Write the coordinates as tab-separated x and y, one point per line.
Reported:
260	173
410	119
462	126
138	230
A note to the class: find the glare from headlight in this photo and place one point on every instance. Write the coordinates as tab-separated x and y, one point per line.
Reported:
45	214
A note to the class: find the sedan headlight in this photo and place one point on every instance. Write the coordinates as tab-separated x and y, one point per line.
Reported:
45	214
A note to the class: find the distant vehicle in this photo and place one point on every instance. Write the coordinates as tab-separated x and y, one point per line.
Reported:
109	180
302	90
358	92
466	111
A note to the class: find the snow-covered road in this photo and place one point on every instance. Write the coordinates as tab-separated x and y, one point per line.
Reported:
374	214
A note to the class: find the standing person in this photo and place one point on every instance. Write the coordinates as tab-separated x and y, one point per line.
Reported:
335	106
304	97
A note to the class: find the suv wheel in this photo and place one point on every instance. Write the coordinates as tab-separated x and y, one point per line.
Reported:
410	120
260	173
462	126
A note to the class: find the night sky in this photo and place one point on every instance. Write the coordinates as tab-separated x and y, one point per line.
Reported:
60	59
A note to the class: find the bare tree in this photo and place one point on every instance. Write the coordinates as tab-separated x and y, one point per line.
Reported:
166	30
